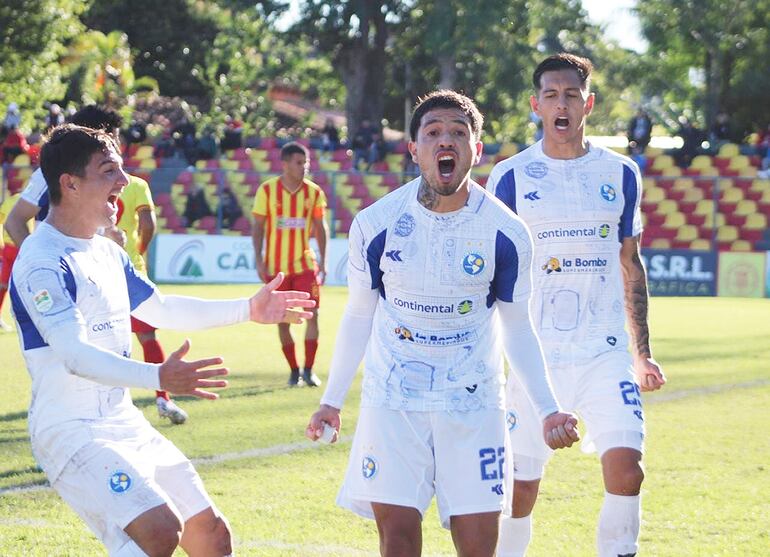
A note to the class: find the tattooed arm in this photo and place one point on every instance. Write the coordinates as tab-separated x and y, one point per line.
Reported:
648	373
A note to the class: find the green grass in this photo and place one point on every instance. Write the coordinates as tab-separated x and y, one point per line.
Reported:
706	491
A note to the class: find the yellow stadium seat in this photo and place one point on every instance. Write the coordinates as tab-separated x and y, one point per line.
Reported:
756	221
720	219
732	195
261	166
687	233
672	171
654	194
144	152
700	162
660	243
684	184
21	160
257	155
236	178
729	150
228	164
649	183
704	207
148	164
693	195
765	197
644	219
749	172
745	207
508	150
760	185
740	245
667	206
700	244
662	162
329	166
653	151
674	220
739	162
727	233
202	177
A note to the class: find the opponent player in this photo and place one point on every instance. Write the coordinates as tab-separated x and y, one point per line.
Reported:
138	223
73	292
582	204
8	249
287	209
439	279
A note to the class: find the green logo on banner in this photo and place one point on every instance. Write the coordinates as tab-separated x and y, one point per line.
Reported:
191	268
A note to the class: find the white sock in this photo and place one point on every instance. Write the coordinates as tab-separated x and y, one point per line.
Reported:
618	532
130	549
514	536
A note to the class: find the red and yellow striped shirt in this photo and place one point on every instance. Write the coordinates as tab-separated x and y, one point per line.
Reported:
289	220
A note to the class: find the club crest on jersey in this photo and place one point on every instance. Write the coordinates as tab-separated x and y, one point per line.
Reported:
368	467
404	225
536	170
42	300
511	420
552	266
120	482
608	192
473	264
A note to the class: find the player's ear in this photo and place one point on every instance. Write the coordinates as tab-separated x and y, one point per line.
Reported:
533	104
68	182
590	103
412	146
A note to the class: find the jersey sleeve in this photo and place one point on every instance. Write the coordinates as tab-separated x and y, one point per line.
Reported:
35	189
319	207
260	202
143	195
140	288
502	184
631	218
364	255
512	281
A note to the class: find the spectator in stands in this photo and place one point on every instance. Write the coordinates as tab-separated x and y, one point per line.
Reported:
136	133
233	137
208	147
54	118
14	144
12	118
377	151
720	130
639	131
637	155
184	138
362	142
165	148
763	142
196	207
691	138
330	138
229	208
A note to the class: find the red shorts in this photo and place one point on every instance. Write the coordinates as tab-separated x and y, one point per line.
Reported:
9	256
304	282
140	327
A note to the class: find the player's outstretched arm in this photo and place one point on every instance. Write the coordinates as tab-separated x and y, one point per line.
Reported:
180	377
649	374
276	306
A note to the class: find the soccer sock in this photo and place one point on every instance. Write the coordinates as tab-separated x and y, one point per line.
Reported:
3	290
288	352
153	353
310	349
514	536
618	531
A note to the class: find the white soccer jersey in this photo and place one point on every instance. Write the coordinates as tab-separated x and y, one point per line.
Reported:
36	193
58	279
435	342
579	212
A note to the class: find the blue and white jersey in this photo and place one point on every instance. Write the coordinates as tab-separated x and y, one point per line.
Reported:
36	193
435	341
579	212
58	279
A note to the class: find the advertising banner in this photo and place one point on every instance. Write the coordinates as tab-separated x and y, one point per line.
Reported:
680	272
742	274
210	259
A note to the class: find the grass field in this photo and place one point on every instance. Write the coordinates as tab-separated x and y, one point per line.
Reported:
707	490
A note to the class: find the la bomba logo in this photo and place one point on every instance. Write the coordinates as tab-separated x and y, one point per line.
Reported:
577	264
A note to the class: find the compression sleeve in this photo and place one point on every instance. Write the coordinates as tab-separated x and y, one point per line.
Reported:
522	348
183	313
69	342
352	338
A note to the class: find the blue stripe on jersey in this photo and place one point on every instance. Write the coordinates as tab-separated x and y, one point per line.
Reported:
139	288
43	203
69	279
630	192
373	255
506	270
506	190
30	336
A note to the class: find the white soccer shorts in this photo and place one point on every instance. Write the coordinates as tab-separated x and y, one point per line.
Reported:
403	458
110	483
604	395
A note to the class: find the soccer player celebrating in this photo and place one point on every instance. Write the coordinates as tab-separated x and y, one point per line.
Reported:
582	204
287	210
138	224
73	292
439	283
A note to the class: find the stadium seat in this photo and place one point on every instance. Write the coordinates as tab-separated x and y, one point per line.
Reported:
662	162
687	233
729	150
660	243
740	245
683	184
727	233
731	195
21	160
700	244
709	223
143	152
745	207
667	206
671	171
674	220
654	194
755	221
692	195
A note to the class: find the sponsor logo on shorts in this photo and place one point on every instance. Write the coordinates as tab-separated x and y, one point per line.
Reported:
578	264
449	338
512	420
608	192
42	300
473	264
404	225
120	482
369	467
536	170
